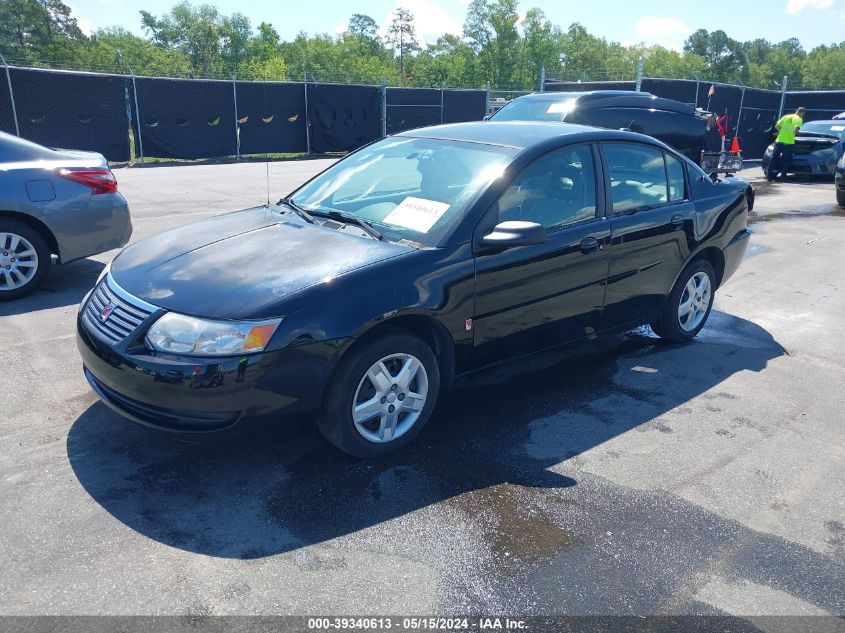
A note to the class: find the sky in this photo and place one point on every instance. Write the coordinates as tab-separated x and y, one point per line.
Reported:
813	22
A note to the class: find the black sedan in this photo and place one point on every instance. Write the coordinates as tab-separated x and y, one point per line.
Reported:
818	146
413	260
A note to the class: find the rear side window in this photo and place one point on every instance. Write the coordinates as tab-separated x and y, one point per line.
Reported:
637	177
675	171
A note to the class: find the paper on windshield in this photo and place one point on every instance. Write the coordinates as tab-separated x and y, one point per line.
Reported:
417	214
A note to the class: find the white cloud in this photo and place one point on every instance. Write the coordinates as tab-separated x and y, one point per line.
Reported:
84	24
797	6
430	21
668	31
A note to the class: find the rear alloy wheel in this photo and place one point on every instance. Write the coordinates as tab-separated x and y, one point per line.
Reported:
24	259
688	305
381	396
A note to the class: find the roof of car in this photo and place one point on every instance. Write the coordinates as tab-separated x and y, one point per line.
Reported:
515	134
585	95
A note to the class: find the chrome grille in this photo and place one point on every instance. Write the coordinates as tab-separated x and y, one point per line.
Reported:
121	321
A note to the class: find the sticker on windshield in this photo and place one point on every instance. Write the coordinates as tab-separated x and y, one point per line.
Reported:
417	214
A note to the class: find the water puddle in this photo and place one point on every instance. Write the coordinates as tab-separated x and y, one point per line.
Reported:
517	529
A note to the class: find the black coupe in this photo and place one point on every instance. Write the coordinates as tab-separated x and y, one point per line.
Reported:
415	259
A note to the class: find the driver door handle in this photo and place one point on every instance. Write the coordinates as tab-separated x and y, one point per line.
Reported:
677	220
588	245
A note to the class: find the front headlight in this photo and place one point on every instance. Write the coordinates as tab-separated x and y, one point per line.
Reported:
179	334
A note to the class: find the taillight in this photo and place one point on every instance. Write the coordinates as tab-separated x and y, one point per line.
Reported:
99	180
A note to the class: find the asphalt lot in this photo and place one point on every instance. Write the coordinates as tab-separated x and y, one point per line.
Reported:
625	477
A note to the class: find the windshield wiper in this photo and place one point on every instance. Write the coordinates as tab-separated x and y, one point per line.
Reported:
348	218
288	202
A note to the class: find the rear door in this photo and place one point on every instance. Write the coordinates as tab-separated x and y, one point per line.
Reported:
532	297
651	222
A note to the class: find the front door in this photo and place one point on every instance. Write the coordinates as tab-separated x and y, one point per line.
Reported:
532	297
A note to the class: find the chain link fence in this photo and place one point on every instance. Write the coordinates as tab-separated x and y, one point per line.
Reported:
124	116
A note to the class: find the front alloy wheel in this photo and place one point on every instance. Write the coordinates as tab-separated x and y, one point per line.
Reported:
381	395
390	397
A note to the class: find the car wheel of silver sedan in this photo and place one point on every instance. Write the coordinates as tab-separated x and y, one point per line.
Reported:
382	394
24	259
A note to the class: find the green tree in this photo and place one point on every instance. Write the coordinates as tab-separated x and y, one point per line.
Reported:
195	31
402	36
724	57
491	32
33	30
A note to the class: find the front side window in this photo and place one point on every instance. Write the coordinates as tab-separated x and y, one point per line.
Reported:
555	190
409	188
637	177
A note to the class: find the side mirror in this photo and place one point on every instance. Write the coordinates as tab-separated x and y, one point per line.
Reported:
514	233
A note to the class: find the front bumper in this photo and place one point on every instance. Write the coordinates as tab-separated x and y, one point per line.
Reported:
196	395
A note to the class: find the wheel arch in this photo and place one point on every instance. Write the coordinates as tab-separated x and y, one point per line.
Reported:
36	225
422	326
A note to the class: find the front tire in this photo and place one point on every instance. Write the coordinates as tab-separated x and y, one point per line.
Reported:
840	197
24	259
689	304
381	395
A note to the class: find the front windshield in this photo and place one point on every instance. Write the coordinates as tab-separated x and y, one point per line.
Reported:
536	109
833	128
409	188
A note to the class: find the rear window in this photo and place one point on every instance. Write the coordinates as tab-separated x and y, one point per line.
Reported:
537	109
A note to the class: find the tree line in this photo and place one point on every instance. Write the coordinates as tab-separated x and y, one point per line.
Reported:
497	45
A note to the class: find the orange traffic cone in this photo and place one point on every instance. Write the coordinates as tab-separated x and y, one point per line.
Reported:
735	146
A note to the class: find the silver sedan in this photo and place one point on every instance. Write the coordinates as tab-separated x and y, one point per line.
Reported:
60	203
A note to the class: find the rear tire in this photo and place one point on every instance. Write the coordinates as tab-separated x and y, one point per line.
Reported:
24	259
840	197
688	306
381	395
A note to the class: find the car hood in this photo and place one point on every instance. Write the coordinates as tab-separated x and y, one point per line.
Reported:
231	265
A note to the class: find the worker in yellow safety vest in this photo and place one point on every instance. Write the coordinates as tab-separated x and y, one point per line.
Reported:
787	128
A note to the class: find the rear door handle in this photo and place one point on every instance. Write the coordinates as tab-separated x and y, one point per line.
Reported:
588	245
677	220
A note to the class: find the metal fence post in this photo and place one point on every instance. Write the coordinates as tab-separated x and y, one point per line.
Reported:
307	122
11	95
487	100
237	123
697	84
542	79
384	107
137	115
640	68
782	96
442	94
739	116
